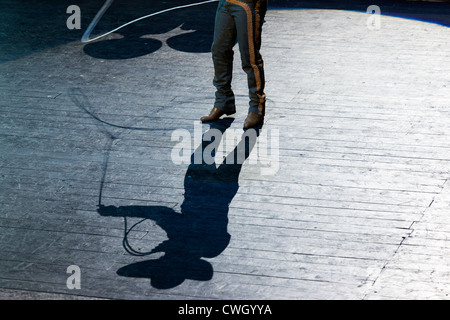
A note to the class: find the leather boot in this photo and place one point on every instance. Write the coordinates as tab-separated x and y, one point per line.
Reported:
213	115
253	120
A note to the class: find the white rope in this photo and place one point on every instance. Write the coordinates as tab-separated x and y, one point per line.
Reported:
101	12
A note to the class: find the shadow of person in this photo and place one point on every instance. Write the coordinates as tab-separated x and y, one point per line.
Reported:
200	230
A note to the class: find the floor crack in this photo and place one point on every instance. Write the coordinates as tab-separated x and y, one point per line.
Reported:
408	235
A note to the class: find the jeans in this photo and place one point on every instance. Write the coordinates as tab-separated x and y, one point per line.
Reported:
239	21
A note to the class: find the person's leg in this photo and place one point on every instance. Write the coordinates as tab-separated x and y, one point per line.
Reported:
249	17
222	54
